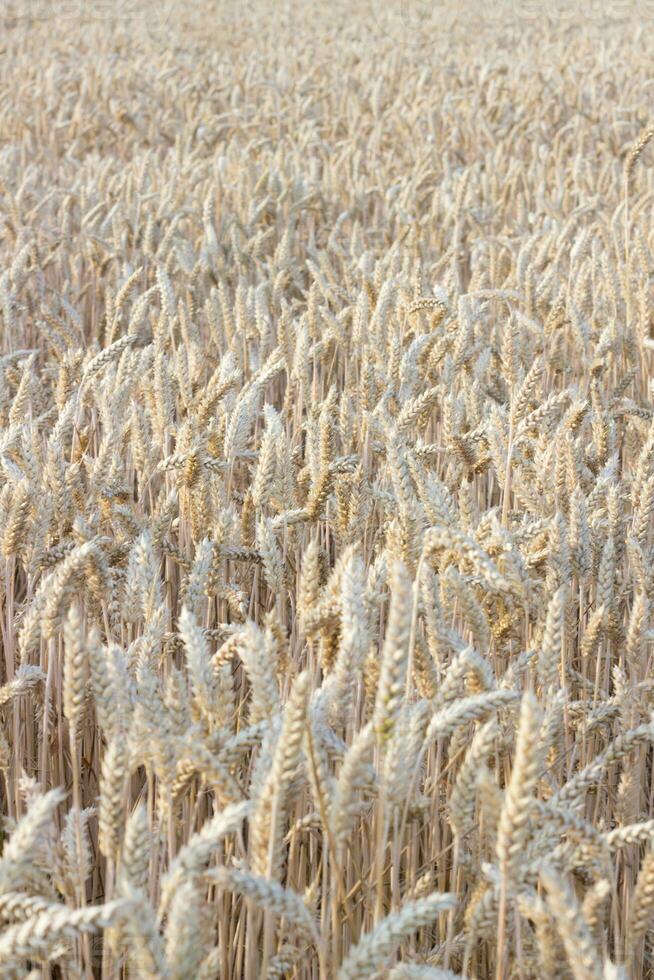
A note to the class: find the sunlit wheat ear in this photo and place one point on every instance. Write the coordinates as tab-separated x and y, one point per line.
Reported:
263	486
255	653
513	826
144	948
354	638
406	743
201	571
643	903
187	933
16	866
195	855
573	929
135	853
113	784
201	676
76	668
553	638
463	798
39	936
395	652
268	894
595	905
75	847
374	948
356	777
273	568
268	817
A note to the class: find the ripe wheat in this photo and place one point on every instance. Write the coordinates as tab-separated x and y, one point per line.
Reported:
327	451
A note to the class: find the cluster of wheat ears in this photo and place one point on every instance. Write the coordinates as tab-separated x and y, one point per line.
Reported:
327	455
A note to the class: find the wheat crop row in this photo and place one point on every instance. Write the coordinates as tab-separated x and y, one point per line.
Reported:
326	493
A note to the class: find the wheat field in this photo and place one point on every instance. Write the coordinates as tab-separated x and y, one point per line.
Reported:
327	455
